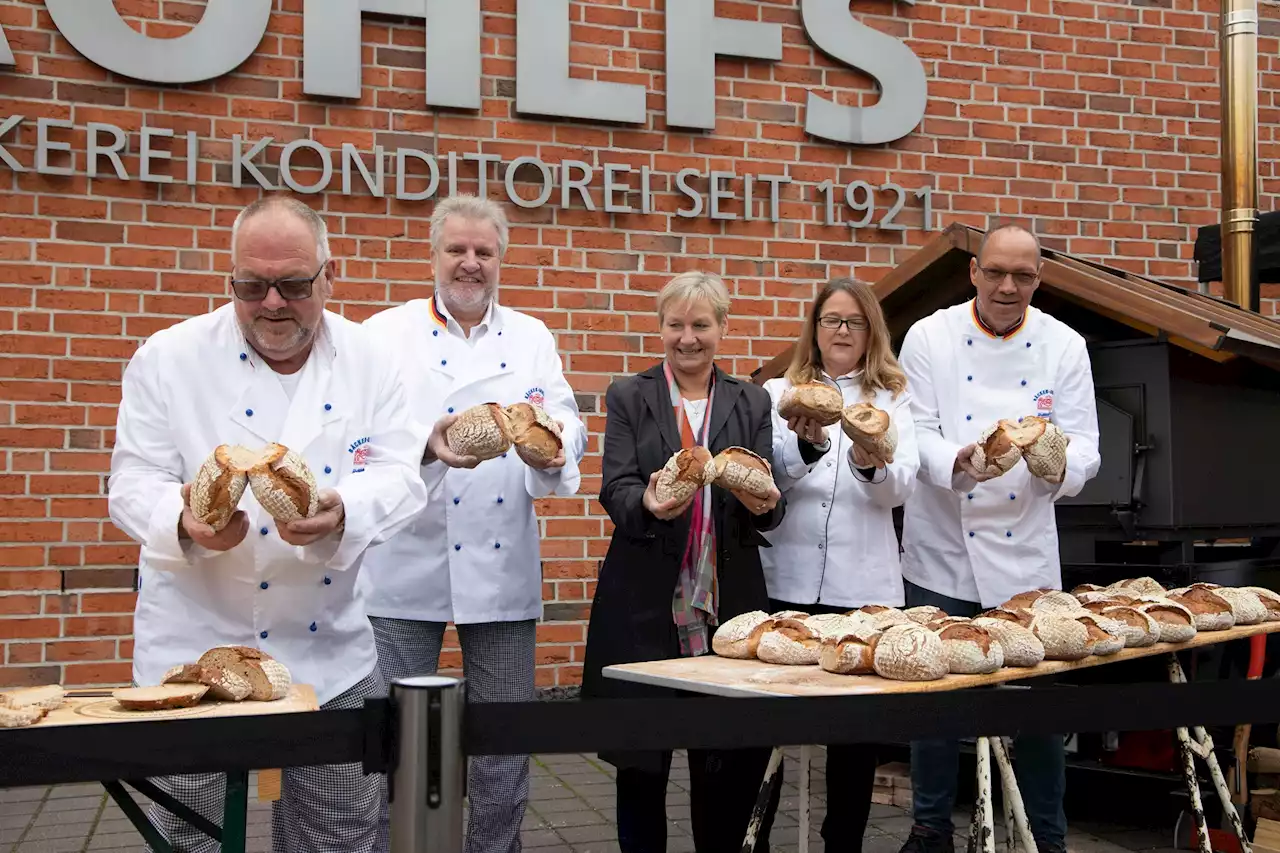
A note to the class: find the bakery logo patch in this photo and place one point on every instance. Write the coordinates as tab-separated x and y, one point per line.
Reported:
535	396
359	451
1044	402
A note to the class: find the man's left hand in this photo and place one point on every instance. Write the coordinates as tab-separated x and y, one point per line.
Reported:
329	517
558	462
863	460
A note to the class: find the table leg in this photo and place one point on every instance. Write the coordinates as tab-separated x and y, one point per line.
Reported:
762	800
806	758
137	817
1015	811
986	840
235	813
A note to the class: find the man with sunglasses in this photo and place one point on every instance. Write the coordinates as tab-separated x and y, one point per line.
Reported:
272	366
971	541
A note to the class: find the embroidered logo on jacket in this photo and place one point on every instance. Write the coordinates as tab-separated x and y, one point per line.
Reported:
1044	402
535	396
359	451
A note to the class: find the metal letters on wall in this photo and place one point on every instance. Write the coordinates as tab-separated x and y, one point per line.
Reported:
231	29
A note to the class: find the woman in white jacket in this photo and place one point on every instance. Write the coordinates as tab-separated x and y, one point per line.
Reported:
836	549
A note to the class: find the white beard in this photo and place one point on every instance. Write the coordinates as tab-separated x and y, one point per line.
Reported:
466	300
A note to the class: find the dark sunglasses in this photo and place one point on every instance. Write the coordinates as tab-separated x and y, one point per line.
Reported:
291	289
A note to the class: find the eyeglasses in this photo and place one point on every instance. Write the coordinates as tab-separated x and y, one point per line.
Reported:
1021	279
292	289
855	324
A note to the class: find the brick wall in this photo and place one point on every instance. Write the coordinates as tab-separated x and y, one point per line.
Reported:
1096	120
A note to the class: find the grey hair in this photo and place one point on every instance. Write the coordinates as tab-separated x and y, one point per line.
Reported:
290	205
1008	226
692	286
470	207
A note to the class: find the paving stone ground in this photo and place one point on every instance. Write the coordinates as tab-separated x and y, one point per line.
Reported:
571	810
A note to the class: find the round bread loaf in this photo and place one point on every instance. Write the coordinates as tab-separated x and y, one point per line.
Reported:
995	453
47	697
1024	600
924	614
1137	586
686	472
1043	446
283	483
1020	646
482	431
1086	587
790	642
871	429
1106	636
838	624
218	486
1016	615
1246	606
883	618
534	433
739	470
816	401
943	621
1108	599
1270	601
268	678
1064	638
1139	628
1177	624
970	649
162	698
790	614
852	653
740	636
910	652
1057	602
1211	611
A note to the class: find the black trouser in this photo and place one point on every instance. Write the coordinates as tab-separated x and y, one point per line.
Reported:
851	772
723	786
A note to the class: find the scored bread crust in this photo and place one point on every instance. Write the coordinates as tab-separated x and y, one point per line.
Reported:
686	472
738	469
1086	587
839	624
910	652
283	484
1139	628
217	488
924	614
1177	624
790	614
871	429
970	649
995	453
740	636
816	401
1043	446
1021	647
1106	636
1064	638
534	433
1057	602
1211	611
47	697
1246	605
223	683
481	431
790	642
1270	601
882	618
850	654
1017	615
1138	586
161	698
1024	600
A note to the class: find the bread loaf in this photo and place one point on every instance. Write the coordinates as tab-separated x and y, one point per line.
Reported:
48	697
1210	610
1064	638
482	431
1139	629
1043	446
790	642
162	698
995	452
838	624
1246	606
970	649
685	473
816	401
268	678
871	429
1109	599
1137	586
218	486
852	653
1176	623
1018	616
533	432
16	718
1024	600
924	614
1057	602
1106	636
743	472
789	614
283	483
740	636
1270	601
1020	646
1086	587
223	684
910	652
883	618
945	621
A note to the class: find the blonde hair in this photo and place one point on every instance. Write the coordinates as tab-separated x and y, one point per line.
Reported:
470	207
692	286
880	369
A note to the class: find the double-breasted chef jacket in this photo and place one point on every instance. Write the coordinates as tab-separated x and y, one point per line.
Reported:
473	556
837	544
631	618
986	542
199	384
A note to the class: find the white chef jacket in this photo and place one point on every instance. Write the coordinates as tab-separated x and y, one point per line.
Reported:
199	384
473	555
986	542
837	544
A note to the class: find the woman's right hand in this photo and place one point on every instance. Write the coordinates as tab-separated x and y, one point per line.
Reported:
663	510
808	430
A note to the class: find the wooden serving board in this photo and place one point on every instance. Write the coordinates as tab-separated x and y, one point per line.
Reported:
80	710
717	676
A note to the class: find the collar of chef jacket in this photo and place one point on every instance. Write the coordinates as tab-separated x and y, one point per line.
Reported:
490	322
324	344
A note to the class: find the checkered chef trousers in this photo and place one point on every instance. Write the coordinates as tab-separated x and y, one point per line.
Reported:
498	664
332	808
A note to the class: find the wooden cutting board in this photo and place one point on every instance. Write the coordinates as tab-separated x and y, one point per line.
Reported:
101	708
719	676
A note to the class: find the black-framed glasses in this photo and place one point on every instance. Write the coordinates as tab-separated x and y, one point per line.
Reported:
1021	279
292	289
855	324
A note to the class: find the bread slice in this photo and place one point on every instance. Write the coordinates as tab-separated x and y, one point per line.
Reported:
1021	647
161	698
740	470
816	401
16	718
482	431
533	432
910	652
790	642
686	472
268	678
970	649
48	697
218	486
739	637
283	483
871	429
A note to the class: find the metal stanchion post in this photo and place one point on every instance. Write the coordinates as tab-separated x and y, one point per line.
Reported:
426	786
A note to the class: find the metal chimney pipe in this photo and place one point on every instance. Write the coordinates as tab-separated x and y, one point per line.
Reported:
1238	74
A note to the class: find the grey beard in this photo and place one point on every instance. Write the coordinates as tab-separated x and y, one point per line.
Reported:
465	303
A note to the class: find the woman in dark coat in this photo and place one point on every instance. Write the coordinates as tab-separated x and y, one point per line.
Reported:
673	573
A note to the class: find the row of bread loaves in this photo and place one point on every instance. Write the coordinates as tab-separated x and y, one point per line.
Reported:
226	673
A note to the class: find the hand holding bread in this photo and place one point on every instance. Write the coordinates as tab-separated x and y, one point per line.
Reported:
811	401
329	518
190	527
748	477
807	429
279	478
